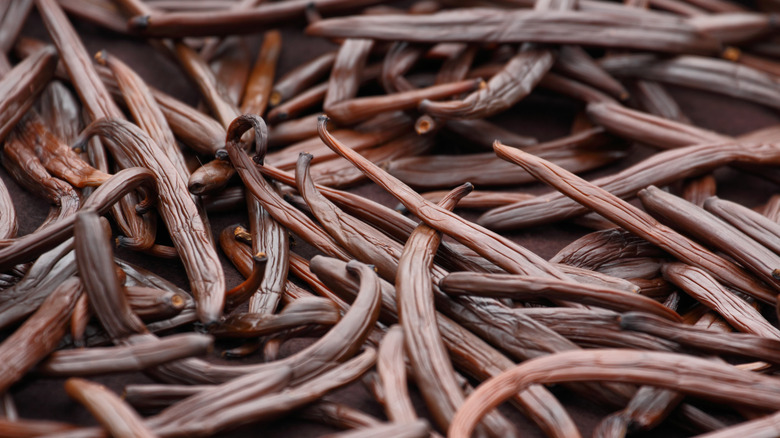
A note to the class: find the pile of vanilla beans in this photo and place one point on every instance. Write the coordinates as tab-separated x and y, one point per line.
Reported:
663	312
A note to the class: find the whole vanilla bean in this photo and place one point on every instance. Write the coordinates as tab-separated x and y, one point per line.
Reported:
391	386
715	233
39	334
639	30
521	288
178	210
637	222
111	411
659	169
94	361
701	377
427	353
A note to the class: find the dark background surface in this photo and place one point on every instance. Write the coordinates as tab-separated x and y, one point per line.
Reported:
542	115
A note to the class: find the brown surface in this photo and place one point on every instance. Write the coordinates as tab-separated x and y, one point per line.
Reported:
542	115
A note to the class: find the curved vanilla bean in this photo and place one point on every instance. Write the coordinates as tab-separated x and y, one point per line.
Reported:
113	413
515	81
146	113
523	288
468	351
757	226
28	247
659	169
240	292
39	334
19	160
700	377
763	427
312	311
501	251
391	372
258	88
215	417
301	77
642	31
178	210
705	227
485	169
704	288
94	361
637	222
262	190
21	85
431	367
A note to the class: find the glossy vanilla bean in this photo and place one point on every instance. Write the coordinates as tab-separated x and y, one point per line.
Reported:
757	226
347	70
261	79
497	249
641	31
178	210
702	286
264	192
702	377
392	383
468	351
95	361
112	412
715	233
638	222
21	85
302	312
529	288
301	77
27	247
39	334
659	169
427	354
